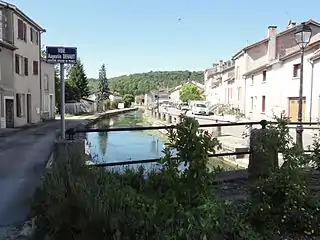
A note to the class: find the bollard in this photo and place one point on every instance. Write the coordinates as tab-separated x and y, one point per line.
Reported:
169	118
218	130
159	115
264	156
162	116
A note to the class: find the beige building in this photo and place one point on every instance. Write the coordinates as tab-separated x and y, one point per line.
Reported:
21	86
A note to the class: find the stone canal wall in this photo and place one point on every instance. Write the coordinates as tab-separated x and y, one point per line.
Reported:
229	144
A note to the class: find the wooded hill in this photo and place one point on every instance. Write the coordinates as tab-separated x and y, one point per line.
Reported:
140	83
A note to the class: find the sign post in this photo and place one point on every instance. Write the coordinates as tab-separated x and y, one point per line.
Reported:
62	55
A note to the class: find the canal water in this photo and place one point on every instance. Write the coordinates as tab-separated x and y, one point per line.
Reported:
110	147
125	145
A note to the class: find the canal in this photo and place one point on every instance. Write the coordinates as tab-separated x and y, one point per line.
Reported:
125	145
130	145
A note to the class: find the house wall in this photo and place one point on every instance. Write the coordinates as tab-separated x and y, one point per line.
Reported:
279	86
48	90
27	84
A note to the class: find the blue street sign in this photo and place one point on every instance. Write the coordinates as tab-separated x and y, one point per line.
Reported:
61	54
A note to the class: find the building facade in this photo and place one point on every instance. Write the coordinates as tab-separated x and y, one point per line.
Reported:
175	93
267	76
22	94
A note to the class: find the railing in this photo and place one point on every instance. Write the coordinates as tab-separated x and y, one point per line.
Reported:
70	133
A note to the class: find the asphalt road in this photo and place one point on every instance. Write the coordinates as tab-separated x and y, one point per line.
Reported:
22	161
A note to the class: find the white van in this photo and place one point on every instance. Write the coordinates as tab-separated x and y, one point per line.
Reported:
199	108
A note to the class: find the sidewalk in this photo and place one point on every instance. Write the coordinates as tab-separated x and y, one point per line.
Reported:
22	160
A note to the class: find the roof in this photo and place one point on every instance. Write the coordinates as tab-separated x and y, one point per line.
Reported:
243	50
22	15
199	85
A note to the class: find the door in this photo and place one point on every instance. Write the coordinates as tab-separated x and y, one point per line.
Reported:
293	108
28	108
51	107
9	113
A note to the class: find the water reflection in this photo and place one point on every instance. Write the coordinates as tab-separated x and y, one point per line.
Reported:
127	145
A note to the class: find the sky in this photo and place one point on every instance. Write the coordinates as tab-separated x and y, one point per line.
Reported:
146	35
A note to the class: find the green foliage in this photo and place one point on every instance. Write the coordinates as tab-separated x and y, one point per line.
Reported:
107	104
77	82
82	202
57	86
141	83
283	203
103	83
190	92
114	104
128	99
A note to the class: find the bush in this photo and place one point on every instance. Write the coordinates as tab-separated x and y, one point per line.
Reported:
107	104
82	202
114	104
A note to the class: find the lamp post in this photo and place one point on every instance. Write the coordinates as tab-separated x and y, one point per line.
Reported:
302	36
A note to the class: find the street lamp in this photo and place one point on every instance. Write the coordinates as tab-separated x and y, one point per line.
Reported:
302	35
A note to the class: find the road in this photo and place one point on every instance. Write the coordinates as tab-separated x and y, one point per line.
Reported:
238	131
22	161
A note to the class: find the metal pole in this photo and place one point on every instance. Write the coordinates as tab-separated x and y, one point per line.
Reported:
62	102
299	137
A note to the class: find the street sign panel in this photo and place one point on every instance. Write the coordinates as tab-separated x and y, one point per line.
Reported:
61	54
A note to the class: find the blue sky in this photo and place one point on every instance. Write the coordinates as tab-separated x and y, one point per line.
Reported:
142	35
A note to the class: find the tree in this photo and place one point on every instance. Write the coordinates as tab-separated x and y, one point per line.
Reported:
77	79
128	99
141	83
190	92
103	83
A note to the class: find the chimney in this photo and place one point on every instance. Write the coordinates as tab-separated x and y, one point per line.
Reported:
272	43
291	24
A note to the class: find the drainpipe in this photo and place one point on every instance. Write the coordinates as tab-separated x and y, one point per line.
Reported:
311	90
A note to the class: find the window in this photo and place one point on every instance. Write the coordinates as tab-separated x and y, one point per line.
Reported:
35	67
252	79
238	72
26	70
21	65
20	102
34	36
264	76
263	107
22	30
239	93
17	63
251	103
3	24
296	70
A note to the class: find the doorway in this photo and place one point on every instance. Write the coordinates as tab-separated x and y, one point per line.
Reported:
294	107
28	108
9	113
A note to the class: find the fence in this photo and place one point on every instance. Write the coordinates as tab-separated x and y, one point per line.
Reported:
71	133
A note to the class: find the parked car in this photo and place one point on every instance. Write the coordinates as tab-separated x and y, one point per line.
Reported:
184	107
199	109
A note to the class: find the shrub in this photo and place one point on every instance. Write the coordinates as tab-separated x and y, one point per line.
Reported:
82	202
114	104
107	104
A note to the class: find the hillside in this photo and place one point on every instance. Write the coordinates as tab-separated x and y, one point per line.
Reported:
140	83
